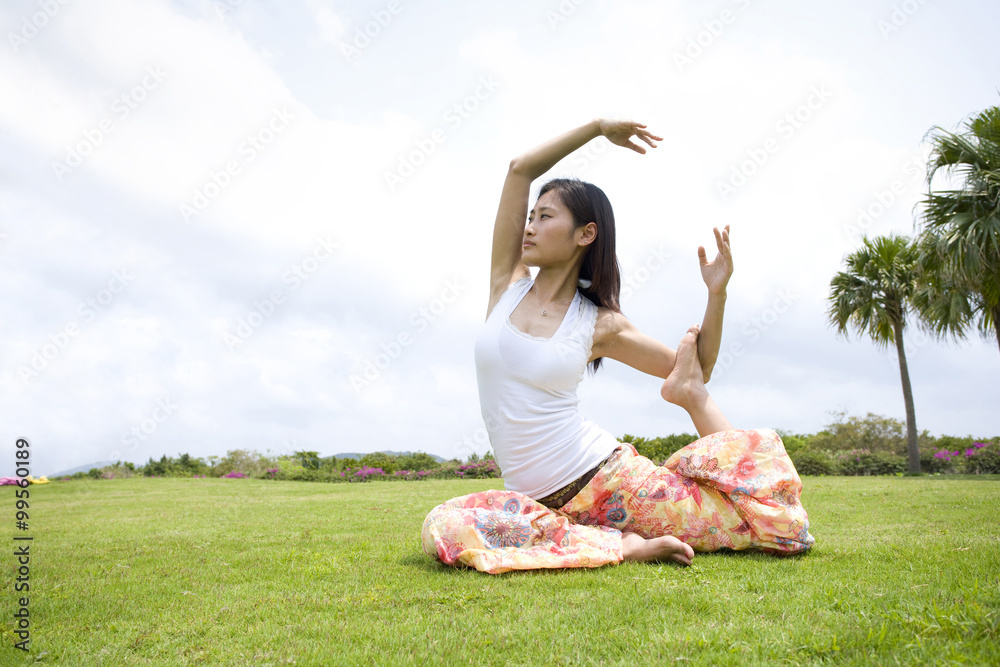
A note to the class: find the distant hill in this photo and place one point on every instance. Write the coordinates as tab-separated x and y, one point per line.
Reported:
83	468
358	455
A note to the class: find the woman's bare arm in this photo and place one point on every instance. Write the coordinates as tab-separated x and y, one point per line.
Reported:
508	230
716	275
615	337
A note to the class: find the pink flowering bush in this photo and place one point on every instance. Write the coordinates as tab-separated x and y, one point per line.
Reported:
983	458
366	474
410	475
479	470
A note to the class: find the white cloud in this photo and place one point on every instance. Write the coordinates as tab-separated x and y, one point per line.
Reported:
212	83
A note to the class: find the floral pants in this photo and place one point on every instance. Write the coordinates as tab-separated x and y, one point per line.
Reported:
730	490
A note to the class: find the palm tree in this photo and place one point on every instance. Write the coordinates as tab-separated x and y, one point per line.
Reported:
874	296
960	239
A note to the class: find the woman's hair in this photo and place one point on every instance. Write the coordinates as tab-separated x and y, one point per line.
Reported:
588	203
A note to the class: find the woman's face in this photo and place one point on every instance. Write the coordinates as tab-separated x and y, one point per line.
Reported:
549	236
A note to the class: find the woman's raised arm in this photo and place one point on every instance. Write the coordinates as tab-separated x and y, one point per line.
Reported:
508	230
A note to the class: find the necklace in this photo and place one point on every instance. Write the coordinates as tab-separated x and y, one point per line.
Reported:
545	311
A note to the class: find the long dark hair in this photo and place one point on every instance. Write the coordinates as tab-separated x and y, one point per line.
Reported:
588	203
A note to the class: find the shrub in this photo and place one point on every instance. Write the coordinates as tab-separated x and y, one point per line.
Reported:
416	461
379	461
251	463
659	450
793	442
937	462
812	462
184	465
115	471
366	474
983	458
864	462
479	470
308	460
872	432
410	475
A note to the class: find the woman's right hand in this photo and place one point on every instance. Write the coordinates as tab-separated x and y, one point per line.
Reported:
620	133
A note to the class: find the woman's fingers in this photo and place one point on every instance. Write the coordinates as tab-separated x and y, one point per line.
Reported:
621	133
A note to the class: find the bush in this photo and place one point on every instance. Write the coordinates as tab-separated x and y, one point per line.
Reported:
479	470
864	462
291	469
184	465
659	450
365	474
416	461
875	433
410	475
793	442
379	460
983	458
812	462
118	470
250	463
936	463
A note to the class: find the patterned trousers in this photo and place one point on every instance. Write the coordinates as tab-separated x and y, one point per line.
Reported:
730	490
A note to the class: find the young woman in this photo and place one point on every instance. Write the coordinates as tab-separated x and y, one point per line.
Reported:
575	496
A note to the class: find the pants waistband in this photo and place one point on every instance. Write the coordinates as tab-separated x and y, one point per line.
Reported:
556	500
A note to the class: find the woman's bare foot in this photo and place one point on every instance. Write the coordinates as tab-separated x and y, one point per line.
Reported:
637	548
685	386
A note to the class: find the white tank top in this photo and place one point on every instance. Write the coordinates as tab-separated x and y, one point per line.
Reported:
527	392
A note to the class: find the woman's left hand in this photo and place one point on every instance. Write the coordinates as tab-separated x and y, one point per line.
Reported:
716	273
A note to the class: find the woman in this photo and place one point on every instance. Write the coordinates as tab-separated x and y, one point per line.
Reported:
575	496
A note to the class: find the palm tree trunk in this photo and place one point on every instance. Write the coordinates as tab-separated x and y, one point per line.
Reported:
996	324
912	451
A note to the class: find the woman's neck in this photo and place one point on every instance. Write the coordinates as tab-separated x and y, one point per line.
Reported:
556	284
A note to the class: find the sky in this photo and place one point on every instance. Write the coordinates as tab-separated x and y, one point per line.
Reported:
234	224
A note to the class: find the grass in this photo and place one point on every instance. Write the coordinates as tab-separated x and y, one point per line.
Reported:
217	571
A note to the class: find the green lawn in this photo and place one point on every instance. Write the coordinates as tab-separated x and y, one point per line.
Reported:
217	571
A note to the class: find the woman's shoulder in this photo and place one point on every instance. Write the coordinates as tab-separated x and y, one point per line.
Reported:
609	317
608	323
501	293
